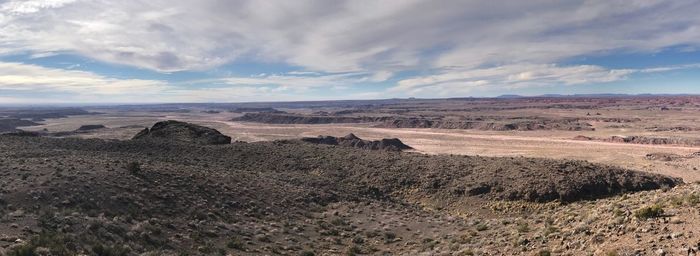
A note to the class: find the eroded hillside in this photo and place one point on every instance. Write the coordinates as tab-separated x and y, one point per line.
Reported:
71	196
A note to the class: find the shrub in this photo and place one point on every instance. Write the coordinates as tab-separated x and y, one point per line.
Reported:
339	222
693	199
55	243
389	237
618	212
134	168
264	239
307	253
235	244
101	250
550	229
353	250
358	240
523	227
612	253
648	212
677	200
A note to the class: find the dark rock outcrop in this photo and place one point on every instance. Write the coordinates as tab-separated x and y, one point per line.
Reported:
89	127
581	137
272	118
351	140
183	132
39	114
11	124
665	157
21	133
489	125
654	140
257	110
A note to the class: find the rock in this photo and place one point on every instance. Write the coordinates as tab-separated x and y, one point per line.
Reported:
666	157
11	124
42	251
17	213
351	140
89	127
581	137
284	118
183	132
21	133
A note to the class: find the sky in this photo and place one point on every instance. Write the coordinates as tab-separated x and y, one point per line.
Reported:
155	51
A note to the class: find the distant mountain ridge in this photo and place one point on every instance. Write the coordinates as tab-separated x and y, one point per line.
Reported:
593	95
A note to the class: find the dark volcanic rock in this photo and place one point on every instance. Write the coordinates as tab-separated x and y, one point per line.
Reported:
11	124
351	140
89	127
184	132
21	133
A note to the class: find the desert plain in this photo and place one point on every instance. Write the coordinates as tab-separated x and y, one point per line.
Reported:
556	175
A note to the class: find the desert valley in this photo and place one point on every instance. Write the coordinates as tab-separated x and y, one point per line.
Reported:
577	175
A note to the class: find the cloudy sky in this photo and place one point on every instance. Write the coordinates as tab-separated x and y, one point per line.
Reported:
100	51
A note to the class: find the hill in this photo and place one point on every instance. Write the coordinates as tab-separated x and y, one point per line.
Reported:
71	196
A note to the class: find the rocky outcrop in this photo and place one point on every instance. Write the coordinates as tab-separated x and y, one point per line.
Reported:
21	133
581	137
665	157
183	132
654	140
257	110
489	125
40	114
495	124
11	124
89	127
272	118
351	140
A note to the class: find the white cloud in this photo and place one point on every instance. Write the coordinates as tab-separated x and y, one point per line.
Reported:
449	43
381	76
344	36
464	80
23	83
297	81
511	76
36	84
37	79
31	6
